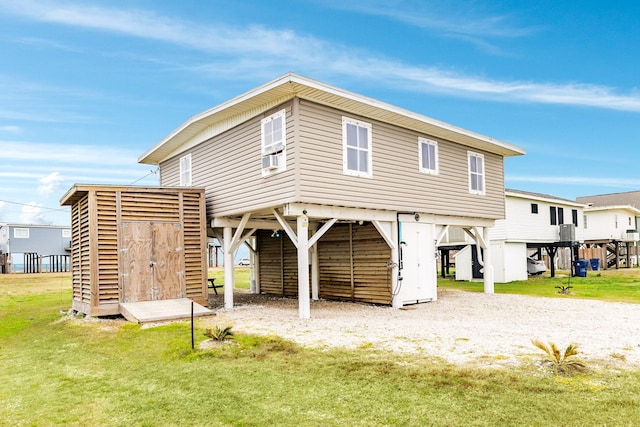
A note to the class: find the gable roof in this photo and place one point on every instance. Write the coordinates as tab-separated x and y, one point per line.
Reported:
218	119
541	197
627	198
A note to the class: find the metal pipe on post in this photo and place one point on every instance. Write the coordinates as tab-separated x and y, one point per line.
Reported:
192	338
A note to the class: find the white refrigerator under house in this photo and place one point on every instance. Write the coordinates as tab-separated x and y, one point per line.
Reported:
417	275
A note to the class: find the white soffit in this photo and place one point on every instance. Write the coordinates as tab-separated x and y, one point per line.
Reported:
233	112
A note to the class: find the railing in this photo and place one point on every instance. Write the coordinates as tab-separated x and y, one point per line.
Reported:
34	263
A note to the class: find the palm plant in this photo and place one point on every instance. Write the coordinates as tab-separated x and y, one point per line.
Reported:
562	363
218	333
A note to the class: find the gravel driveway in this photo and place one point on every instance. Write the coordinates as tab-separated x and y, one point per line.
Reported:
461	327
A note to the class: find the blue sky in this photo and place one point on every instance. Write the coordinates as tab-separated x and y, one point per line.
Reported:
86	87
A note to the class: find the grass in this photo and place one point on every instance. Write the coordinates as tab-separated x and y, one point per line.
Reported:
242	279
61	370
621	285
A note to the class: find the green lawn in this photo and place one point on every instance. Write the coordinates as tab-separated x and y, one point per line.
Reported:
621	285
60	370
241	276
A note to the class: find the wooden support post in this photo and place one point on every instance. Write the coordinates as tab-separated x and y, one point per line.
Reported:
303	267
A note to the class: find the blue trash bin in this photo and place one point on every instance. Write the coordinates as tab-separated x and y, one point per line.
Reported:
581	267
595	264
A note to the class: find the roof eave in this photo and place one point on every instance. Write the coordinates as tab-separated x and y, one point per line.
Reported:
277	90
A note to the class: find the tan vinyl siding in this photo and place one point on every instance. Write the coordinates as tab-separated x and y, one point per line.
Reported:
397	183
229	167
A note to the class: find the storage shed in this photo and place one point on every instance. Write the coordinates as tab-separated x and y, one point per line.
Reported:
133	244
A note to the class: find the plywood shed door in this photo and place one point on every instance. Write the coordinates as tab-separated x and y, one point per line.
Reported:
152	260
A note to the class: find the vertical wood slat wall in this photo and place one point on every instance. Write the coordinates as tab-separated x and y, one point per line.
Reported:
97	211
352	259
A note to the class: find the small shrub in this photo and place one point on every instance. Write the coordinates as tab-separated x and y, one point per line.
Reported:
218	333
562	363
562	289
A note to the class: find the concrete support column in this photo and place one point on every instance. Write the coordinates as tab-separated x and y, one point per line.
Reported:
229	280
303	267
488	265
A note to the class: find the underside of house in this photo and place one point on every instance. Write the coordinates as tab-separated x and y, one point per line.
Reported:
325	252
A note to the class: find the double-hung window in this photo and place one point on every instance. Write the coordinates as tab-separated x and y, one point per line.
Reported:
185	170
356	145
476	173
273	143
428	151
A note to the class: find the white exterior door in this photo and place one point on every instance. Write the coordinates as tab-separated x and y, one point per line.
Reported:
419	275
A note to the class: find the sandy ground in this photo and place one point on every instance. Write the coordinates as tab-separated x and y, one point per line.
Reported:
461	327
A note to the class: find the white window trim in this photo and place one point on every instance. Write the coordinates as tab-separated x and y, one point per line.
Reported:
482	192
421	143
185	172
66	232
345	147
281	153
20	233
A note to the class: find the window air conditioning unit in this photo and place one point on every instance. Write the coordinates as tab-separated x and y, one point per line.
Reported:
632	236
270	162
567	232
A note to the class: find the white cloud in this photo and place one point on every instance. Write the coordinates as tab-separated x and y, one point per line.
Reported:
50	184
68	153
32	213
442	17
279	50
11	129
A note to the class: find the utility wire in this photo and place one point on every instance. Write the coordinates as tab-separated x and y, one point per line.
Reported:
34	206
153	172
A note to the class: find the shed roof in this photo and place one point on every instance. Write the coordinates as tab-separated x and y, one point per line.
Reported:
78	191
237	110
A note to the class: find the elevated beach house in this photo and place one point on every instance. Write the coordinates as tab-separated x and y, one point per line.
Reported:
540	226
344	197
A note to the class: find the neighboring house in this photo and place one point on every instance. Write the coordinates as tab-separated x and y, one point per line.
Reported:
611	234
346	197
612	245
33	248
631	198
533	223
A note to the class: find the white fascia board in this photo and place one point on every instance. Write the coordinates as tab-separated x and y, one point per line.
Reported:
338	212
627	208
456	221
